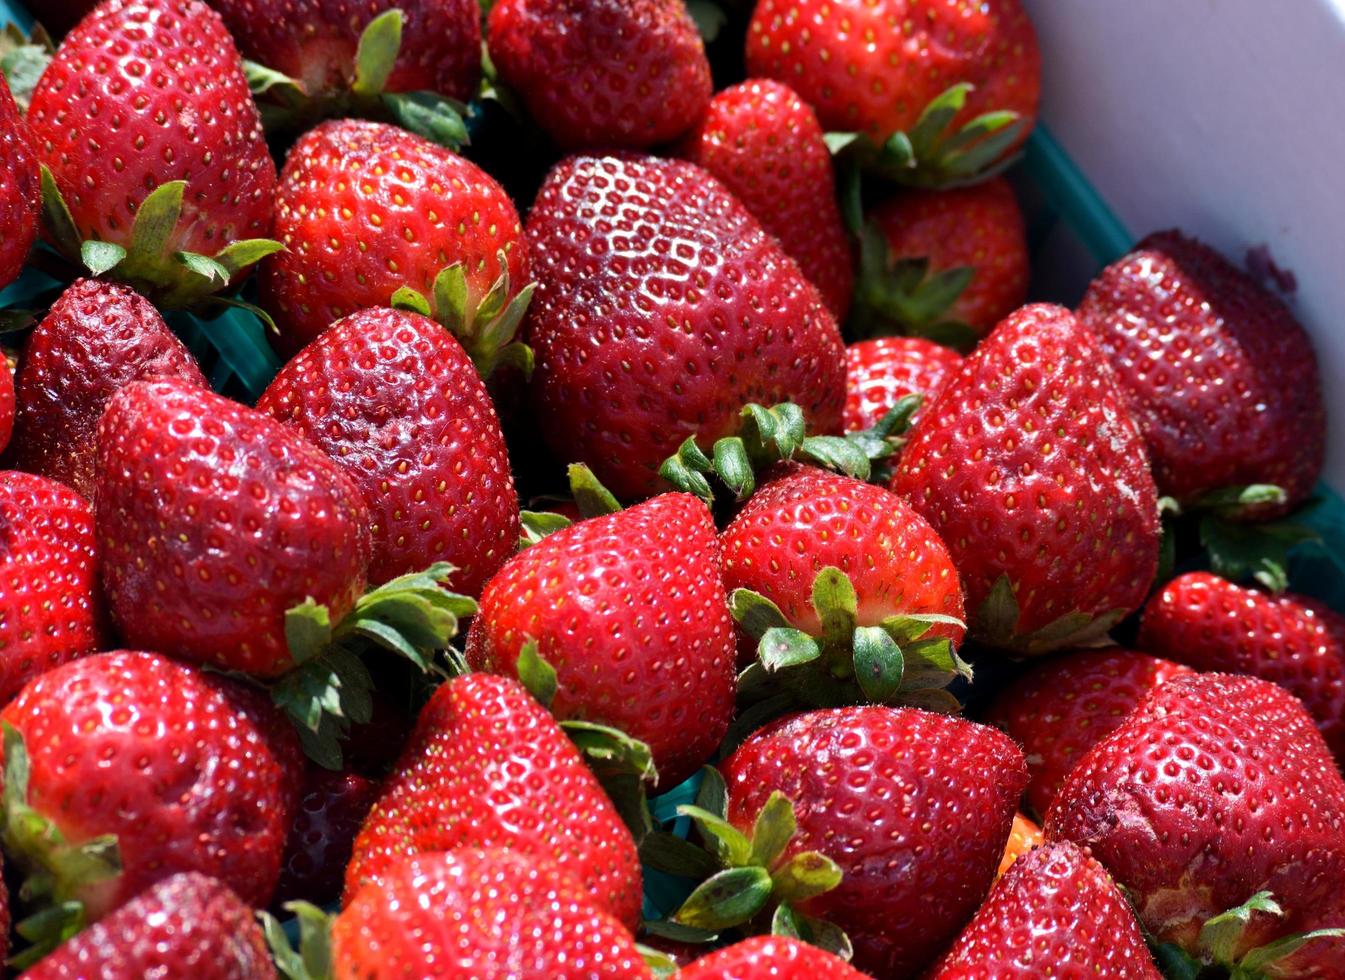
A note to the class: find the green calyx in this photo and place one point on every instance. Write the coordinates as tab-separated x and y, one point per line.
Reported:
904	296
895	662
1240	550
313	958
23	59
486	330
288	107
329	689
996	624
57	873
590	497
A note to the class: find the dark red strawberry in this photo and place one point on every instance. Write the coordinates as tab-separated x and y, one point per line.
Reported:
765	145
1030	468
1297	642
662	308
1056	912
770	958
1215	790
481	915
97	338
396	401
330	809
20	189
187	925
1220	375
915	807
630	611
602	73
1062	707
214	520
50	609
6	402
185	770
881	372
365	209
487	766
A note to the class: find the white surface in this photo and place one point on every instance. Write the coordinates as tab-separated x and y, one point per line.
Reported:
1225	118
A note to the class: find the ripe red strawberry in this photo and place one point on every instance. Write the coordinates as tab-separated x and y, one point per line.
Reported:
186	770
661	309
602	73
1030	467
932	233
187	925
1215	789
314	41
364	209
1297	642
97	338
481	915
214	520
765	145
1222	379
396	401
872	66
487	766
1024	836
20	190
770	958
1062	707
50	610
914	807
330	809
881	372
630	611
1056	911
6	402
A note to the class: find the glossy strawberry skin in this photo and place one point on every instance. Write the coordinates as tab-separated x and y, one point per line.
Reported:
480	914
1222	379
602	73
769	958
50	607
331	807
881	372
213	521
188	925
365	208
97	338
764	143
662	308
1057	909
191	772
873	65
1060	708
315	41
143	92
487	766
1029	466
978	227
20	190
1215	788
630	610
1296	642
394	399
915	808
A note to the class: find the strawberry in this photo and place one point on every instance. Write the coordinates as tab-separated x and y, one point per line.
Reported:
1218	794
20	190
1221	377
1024	836
629	609
769	958
330	809
659	290
763	143
1056	911
488	767
949	264
7	406
145	121
914	807
50	609
187	925
602	73
396	401
1030	468
365	209
1297	642
480	915
1060	708
124	768
881	372
96	338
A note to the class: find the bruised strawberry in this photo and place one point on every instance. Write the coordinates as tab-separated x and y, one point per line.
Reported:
769	958
20	190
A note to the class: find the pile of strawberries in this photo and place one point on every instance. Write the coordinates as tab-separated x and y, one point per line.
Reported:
863	620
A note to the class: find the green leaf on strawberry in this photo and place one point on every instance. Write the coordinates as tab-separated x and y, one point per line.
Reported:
313	958
997	621
1221	937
